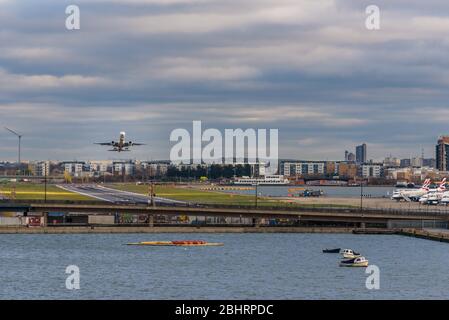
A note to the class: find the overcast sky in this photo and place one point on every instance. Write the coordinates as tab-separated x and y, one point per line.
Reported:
309	68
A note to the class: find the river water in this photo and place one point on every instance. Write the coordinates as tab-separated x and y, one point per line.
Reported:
248	266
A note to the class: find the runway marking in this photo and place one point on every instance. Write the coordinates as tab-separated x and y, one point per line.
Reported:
140	195
117	194
84	194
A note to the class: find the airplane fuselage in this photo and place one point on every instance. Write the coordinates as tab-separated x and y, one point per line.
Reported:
120	145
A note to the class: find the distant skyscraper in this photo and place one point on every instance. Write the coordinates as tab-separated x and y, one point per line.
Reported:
429	163
406	163
442	153
417	162
346	155
360	153
351	157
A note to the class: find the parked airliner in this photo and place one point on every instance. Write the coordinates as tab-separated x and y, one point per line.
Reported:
413	194
434	196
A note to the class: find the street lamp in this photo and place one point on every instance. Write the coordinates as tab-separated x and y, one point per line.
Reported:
45	181
256	185
361	195
20	139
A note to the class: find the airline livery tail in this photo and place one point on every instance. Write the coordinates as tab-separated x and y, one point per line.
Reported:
426	184
442	186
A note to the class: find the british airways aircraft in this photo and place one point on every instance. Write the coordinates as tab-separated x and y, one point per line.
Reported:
414	194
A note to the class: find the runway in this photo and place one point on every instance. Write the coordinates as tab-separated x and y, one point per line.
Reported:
116	196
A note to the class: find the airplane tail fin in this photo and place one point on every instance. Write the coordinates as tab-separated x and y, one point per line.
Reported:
442	186
426	184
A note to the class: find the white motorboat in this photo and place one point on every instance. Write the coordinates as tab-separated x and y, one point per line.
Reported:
350	254
356	262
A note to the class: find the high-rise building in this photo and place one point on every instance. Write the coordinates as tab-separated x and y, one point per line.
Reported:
360	153
431	163
406	163
391	162
442	153
417	162
351	157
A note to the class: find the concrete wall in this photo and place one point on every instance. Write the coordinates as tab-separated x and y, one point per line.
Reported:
21	221
10	221
108	229
101	219
418	224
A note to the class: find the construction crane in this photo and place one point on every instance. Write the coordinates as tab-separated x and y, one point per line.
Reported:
20	139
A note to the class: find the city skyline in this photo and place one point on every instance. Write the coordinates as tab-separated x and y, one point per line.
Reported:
310	69
108	156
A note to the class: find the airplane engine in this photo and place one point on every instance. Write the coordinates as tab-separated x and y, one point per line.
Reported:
131	143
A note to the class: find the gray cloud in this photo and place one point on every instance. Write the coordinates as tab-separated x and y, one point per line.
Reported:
309	68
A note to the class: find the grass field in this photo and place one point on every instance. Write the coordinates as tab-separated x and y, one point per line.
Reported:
210	197
189	194
28	191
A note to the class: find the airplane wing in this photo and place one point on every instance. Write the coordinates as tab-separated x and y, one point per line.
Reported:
130	144
104	143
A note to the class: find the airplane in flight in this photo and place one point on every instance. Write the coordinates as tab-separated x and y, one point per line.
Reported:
121	145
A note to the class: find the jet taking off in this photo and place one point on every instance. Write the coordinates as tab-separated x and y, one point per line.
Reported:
120	145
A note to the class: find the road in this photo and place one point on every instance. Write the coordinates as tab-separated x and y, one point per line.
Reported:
115	196
368	203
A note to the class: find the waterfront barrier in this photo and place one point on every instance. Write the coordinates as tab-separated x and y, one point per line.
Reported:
217	215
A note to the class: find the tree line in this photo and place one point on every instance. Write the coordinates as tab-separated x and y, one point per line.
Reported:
213	171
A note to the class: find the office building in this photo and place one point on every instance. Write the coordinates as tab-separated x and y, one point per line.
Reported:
372	170
442	153
360	153
431	163
302	168
405	163
347	170
351	157
391	162
43	168
75	169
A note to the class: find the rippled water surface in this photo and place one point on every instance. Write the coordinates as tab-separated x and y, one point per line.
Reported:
248	266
